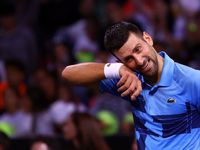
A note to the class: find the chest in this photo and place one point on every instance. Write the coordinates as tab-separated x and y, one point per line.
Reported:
163	101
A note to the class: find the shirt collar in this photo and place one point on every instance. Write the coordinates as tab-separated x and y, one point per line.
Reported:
168	70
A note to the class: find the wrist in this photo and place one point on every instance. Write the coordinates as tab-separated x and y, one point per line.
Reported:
111	70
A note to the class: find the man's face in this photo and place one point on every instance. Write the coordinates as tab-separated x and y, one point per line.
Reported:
139	55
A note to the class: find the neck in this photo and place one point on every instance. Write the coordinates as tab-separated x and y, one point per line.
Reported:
152	80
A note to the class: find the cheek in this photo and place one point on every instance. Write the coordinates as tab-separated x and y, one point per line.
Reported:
131	65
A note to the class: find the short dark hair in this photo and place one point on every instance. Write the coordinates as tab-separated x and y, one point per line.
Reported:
118	34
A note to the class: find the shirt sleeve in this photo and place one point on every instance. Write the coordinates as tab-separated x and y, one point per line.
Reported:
195	90
196	95
110	86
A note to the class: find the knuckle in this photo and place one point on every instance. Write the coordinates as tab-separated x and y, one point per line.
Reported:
131	90
120	89
119	82
122	79
126	86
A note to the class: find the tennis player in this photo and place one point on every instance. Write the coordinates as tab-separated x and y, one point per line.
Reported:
165	95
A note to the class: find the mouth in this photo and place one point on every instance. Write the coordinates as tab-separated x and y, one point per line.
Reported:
145	65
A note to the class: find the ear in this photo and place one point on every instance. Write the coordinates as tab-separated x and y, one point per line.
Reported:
148	38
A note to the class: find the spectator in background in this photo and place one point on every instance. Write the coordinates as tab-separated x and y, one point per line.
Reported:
134	144
4	141
47	80
44	143
142	14
13	115
55	14
185	15
64	106
185	12
84	38
15	41
15	78
36	106
84	8
83	34
27	12
82	131
163	21
15	73
108	122
39	145
87	45
127	124
192	43
106	106
114	11
61	54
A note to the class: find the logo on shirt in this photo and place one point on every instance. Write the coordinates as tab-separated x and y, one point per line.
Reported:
108	65
171	100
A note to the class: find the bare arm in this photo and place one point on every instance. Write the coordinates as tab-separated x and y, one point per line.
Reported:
129	83
89	74
84	74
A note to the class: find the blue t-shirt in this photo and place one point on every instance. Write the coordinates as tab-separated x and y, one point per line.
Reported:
167	115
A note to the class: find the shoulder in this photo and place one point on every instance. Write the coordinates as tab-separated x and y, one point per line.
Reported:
183	71
190	82
187	78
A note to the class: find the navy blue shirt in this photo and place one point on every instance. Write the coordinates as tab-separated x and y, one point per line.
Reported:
167	115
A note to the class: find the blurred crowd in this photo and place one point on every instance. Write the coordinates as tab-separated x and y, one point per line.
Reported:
38	38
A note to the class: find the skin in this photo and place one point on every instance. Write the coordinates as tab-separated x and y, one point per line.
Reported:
137	55
39	146
140	56
11	101
70	131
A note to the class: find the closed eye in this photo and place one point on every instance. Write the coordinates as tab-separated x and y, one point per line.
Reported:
127	59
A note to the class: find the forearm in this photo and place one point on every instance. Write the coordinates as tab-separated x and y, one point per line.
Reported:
84	74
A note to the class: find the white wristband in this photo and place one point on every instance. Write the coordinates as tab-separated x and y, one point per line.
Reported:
111	70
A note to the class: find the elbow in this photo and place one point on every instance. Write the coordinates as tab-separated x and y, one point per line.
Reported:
68	74
65	74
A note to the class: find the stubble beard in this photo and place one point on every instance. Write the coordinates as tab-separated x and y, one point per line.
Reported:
152	74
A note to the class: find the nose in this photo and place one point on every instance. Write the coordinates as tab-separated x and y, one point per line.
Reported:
139	60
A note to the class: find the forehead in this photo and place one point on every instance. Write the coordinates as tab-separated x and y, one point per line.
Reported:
128	47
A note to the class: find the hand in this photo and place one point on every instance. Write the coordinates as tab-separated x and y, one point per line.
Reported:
129	83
